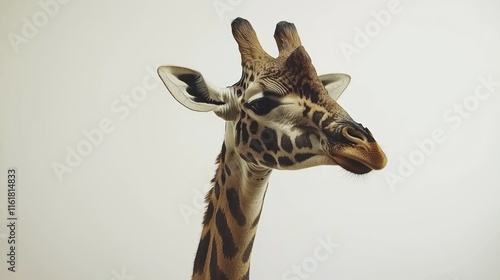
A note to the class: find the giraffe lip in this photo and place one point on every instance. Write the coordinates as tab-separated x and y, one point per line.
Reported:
352	165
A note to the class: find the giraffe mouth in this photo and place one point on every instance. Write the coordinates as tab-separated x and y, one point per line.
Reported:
352	165
358	159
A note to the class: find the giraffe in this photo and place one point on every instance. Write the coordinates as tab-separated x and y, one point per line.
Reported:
279	115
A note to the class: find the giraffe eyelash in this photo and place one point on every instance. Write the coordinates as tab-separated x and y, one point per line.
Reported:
255	96
265	94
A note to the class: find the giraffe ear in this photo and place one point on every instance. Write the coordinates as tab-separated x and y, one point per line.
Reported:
190	89
335	84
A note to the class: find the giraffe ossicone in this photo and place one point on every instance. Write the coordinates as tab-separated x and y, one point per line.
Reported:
280	115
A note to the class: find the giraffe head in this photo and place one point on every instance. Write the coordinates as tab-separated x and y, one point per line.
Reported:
281	114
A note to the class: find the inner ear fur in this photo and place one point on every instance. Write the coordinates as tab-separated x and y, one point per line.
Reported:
190	89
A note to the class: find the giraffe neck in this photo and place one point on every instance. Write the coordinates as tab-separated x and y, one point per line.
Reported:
230	223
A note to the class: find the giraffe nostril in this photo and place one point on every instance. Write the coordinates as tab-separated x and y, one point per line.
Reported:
354	135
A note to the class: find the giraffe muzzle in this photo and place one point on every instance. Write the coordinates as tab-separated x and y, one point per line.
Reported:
359	153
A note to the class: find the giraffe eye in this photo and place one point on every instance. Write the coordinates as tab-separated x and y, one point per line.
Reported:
259	104
262	106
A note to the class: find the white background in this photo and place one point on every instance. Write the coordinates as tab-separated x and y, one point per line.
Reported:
117	215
